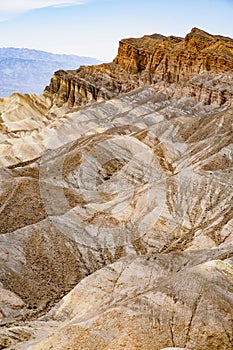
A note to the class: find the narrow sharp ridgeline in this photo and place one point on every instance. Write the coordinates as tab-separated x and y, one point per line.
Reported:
116	219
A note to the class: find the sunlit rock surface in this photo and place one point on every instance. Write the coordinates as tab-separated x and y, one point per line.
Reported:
148	60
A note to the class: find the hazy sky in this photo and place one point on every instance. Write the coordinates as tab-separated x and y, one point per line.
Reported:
94	27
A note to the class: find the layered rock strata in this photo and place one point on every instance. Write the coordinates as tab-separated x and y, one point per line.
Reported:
116	217
148	60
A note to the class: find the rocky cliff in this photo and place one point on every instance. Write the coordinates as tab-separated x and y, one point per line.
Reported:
116	207
148	60
175	59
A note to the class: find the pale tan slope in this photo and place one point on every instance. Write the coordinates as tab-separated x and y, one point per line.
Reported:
148	303
28	123
23	121
145	174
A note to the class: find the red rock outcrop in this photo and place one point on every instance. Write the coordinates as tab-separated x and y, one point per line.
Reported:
175	59
143	61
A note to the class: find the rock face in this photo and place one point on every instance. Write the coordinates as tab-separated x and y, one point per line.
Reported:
176	59
146	61
116	232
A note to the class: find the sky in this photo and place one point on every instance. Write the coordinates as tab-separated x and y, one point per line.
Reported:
94	27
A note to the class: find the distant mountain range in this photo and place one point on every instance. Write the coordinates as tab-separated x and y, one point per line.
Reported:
29	71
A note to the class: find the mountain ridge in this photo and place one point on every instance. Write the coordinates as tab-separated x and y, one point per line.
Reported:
27	53
146	60
27	71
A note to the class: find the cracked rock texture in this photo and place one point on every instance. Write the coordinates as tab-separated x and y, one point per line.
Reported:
116	203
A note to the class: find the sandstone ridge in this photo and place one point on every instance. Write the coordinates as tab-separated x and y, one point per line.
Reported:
148	60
